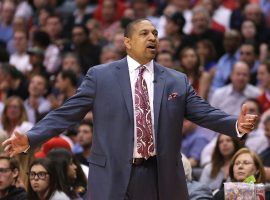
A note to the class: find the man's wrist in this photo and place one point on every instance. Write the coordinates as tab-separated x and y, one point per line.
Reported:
239	134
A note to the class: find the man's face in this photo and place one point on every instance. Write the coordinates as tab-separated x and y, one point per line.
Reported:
263	76
60	83
78	36
165	59
20	41
200	23
247	54
37	86
240	76
6	175
231	42
85	135
254	14
53	26
143	42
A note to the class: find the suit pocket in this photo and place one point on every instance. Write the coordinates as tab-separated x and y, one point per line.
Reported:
97	159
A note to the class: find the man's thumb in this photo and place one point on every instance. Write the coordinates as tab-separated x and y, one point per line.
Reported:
244	109
17	134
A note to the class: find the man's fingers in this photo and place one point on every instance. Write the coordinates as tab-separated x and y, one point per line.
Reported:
6	142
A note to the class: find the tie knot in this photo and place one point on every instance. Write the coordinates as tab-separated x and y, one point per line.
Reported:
141	69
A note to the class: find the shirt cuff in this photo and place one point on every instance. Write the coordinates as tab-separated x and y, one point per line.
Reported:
25	151
237	131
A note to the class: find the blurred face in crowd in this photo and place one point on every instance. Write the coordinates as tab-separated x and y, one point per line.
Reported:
248	29
39	178
8	10
165	45
165	59
244	167
7	175
72	171
43	16
189	59
253	13
226	146
85	135
37	86
39	3
140	9
109	55
71	63
53	26
82	3
200	22
142	44
231	41
78	36
263	76
209	5
171	28
240	76
267	130
18	24
108	10
247	54
14	110
20	41
60	84
118	42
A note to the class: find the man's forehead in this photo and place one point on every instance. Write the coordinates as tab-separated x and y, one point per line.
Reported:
145	24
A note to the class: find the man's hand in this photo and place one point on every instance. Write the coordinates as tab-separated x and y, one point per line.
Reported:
246	122
16	144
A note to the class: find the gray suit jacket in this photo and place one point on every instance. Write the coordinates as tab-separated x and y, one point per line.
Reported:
107	91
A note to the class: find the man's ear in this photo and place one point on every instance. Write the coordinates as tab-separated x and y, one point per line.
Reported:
127	43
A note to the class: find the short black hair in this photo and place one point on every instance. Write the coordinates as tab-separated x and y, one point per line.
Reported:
69	74
129	28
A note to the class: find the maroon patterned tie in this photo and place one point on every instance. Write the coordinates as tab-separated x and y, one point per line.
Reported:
145	144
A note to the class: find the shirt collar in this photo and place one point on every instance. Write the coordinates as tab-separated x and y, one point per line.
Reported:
133	65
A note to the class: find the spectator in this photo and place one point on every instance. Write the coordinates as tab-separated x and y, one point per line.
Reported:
83	12
13	83
68	172
193	142
109	54
20	59
51	61
201	30
84	136
216	172
54	28
7	14
196	190
255	140
190	65
263	77
207	55
166	44
9	172
174	28
237	16
36	105
265	155
43	181
244	164
225	64
165	58
70	62
248	55
230	97
87	53
14	116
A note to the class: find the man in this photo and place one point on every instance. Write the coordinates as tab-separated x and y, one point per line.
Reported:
131	152
263	77
224	66
229	98
85	133
36	105
9	173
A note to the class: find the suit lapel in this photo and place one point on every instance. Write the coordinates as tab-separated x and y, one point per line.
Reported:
159	83
122	76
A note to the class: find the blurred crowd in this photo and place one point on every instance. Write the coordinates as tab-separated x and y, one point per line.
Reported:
47	46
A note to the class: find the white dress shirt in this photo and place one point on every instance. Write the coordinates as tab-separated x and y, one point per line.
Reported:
148	75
